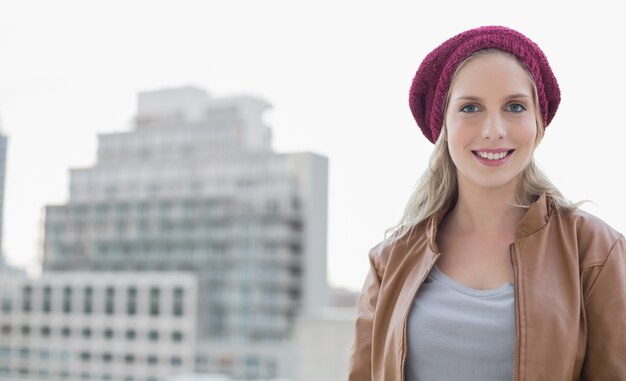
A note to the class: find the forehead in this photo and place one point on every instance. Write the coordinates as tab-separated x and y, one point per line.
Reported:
491	73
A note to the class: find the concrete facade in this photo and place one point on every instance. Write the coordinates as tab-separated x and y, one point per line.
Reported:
196	187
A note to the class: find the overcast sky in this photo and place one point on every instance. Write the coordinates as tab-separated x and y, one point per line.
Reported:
337	74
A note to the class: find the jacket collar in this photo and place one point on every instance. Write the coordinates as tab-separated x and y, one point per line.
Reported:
536	217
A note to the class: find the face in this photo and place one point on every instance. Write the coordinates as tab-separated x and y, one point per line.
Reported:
490	122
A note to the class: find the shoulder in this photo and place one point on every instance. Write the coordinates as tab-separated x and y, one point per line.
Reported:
396	246
594	238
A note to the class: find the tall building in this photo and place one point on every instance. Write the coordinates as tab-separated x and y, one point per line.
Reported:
105	326
3	162
196	187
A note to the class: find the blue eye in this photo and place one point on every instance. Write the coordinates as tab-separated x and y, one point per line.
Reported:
469	108
516	107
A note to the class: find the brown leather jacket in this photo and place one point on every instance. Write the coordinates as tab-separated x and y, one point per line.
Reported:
570	298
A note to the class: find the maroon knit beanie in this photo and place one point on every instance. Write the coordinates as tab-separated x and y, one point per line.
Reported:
429	89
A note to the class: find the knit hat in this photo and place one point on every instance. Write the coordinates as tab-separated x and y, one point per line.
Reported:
429	89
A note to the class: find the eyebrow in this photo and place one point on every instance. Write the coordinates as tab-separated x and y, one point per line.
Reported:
476	99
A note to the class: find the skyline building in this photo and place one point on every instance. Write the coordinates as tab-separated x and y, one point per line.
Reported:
97	326
196	187
3	162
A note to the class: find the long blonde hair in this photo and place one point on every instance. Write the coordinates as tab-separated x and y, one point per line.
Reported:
437	189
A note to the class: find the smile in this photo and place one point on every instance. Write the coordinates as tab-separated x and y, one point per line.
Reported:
493	155
492	158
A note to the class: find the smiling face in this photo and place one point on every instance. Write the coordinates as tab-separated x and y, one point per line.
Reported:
491	122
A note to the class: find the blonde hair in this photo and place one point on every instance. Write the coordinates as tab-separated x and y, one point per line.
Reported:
437	189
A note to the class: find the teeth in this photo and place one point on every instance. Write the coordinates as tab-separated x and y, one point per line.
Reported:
492	156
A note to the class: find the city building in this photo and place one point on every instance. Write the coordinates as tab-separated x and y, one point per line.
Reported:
3	162
97	326
196	187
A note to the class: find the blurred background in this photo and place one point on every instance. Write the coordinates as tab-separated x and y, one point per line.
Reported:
189	189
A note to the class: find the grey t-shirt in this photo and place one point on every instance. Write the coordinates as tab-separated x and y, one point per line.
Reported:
459	333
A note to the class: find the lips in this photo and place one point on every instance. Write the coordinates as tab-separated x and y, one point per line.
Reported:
493	157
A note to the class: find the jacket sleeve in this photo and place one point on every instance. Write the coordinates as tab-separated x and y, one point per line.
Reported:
361	358
605	307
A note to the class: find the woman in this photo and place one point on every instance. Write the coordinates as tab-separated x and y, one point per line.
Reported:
491	274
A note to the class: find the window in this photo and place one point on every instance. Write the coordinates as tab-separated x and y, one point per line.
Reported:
85	356
87	306
86	333
27	300
178	301
47	299
130	334
153	360
108	333
6	302
154	301
109	299
153	335
44	354
131	301
176	361
5	351
67	300
45	331
66	332
177	336
129	359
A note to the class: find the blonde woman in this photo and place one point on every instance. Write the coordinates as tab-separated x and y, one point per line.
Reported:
491	274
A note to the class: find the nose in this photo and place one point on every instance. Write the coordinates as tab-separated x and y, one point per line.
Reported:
493	128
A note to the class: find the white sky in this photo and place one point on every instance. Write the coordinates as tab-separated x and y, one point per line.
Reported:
336	72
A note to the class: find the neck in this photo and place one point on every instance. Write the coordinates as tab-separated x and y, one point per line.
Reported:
488	211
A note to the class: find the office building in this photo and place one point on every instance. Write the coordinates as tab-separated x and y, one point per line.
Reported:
104	326
196	187
3	162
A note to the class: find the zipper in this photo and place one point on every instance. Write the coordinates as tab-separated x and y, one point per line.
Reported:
517	310
406	317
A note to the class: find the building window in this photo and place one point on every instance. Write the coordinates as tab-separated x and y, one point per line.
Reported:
6	330
153	360
176	361
67	300
107	357
85	356
6	302
66	332
177	336
109	300
108	334
47	299
154	301
130	334
44	354
153	335
45	331
25	330
86	333
129	359
87	306
131	301
27	301
178	301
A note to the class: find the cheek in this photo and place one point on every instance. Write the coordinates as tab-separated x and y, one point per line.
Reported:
460	132
526	134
